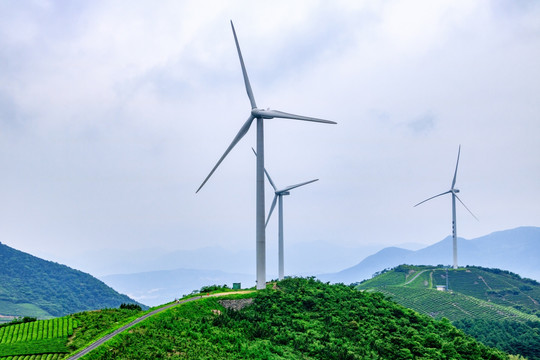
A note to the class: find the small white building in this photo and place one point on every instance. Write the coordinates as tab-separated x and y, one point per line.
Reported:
441	287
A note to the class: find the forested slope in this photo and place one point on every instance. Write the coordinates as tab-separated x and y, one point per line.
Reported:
30	286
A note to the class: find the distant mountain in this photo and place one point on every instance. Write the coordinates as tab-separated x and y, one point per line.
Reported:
159	287
516	250
307	258
30	286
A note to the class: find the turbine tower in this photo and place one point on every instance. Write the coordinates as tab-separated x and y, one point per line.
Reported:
259	115
279	197
454	193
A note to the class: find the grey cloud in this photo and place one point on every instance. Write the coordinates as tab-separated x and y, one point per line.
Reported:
422	124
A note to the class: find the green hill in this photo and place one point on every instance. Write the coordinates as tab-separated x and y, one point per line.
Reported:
30	286
292	319
498	307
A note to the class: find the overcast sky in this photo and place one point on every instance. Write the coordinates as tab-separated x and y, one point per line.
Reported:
112	113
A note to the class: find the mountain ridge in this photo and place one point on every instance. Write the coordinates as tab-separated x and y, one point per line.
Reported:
516	250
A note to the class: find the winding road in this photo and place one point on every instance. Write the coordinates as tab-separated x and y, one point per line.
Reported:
138	320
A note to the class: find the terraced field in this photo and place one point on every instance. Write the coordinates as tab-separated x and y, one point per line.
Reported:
495	306
42	339
472	289
35	357
454	306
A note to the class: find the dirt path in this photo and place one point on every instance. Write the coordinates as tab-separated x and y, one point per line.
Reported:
415	276
138	320
230	293
481	278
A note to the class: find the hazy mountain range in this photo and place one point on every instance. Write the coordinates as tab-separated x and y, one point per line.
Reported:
171	275
158	287
308	257
516	250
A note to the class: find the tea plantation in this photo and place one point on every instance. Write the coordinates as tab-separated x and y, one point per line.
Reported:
483	302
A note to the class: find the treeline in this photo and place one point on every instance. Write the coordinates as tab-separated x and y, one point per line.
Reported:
130	307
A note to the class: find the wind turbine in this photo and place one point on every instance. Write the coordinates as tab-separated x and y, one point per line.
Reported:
454	193
279	196
259	115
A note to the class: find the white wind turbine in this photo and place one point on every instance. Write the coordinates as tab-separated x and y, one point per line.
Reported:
279	193
260	115
454	193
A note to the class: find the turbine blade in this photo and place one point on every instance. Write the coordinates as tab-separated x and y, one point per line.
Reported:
297	185
433	197
244	72
271	209
283	115
270	179
266	172
457	163
462	203
243	130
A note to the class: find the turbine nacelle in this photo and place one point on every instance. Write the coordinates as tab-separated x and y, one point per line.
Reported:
283	193
455	191
261	113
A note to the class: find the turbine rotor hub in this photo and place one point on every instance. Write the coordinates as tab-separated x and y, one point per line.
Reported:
260	113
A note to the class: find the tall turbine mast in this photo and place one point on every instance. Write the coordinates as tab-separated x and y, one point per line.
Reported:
260	115
454	193
279	193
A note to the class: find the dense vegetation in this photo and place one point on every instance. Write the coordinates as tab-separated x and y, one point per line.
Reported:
298	319
510	336
34	287
497	307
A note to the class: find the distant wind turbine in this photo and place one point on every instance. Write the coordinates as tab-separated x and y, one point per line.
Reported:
454	193
279	196
260	115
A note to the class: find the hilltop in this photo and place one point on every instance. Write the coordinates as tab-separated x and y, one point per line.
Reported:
498	307
516	250
295	318
30	286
